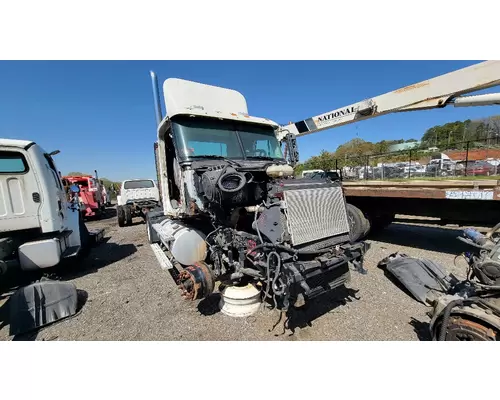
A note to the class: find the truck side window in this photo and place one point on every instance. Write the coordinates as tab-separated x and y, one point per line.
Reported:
55	173
12	162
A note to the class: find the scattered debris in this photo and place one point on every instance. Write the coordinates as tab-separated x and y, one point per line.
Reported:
466	309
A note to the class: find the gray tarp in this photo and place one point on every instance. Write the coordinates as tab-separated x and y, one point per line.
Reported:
40	304
423	278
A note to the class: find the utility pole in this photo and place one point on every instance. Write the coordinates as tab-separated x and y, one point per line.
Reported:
488	131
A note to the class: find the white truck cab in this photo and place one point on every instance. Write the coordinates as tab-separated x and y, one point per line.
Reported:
28	179
38	226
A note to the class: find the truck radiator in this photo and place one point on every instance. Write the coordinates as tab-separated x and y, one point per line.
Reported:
314	214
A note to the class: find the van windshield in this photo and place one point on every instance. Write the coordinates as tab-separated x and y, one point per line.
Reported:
204	137
143	184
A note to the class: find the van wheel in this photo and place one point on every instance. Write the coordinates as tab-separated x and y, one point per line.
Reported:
120	212
128	215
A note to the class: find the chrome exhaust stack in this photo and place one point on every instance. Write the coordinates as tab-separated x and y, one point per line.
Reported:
156	98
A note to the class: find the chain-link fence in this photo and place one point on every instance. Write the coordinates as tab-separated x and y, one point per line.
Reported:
479	158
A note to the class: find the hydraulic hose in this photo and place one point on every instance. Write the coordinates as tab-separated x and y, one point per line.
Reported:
276	273
447	313
446	317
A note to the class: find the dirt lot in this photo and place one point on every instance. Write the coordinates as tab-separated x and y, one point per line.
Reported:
126	296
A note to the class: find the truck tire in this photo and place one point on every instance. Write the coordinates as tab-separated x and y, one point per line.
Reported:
358	224
128	215
368	226
120	213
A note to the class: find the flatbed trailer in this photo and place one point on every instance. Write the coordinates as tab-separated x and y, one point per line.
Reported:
462	202
459	202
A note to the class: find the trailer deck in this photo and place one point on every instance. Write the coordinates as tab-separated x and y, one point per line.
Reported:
462	202
422	189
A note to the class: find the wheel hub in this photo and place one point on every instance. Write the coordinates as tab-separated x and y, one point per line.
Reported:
196	281
460	329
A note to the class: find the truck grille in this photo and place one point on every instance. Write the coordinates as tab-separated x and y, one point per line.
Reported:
315	213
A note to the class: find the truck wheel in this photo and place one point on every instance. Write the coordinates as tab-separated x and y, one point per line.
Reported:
368	226
128	215
120	212
358	224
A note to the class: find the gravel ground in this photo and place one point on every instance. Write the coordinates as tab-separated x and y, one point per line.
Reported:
127	296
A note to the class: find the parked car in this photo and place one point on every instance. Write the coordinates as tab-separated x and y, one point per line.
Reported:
481	168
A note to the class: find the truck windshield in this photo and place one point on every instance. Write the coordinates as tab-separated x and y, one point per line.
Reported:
138	184
202	137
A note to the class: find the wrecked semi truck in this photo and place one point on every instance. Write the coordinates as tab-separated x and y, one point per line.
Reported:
39	228
233	213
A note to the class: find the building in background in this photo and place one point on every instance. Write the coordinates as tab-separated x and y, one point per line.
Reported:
404	146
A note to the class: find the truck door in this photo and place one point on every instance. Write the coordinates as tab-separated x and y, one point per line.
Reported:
19	192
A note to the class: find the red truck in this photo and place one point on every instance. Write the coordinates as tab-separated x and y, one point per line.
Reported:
91	200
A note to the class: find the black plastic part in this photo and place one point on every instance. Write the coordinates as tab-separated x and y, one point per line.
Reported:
269	223
41	303
312	279
423	278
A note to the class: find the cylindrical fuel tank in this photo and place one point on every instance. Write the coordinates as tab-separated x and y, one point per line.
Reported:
186	244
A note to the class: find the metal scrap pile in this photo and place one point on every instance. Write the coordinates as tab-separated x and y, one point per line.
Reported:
467	309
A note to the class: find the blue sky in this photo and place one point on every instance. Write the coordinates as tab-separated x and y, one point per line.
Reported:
100	114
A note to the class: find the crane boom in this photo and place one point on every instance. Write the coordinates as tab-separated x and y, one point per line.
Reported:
437	92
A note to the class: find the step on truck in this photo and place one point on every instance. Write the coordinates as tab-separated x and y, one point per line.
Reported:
137	197
233	214
39	227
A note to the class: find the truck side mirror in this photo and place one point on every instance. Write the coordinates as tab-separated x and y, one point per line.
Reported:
291	150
